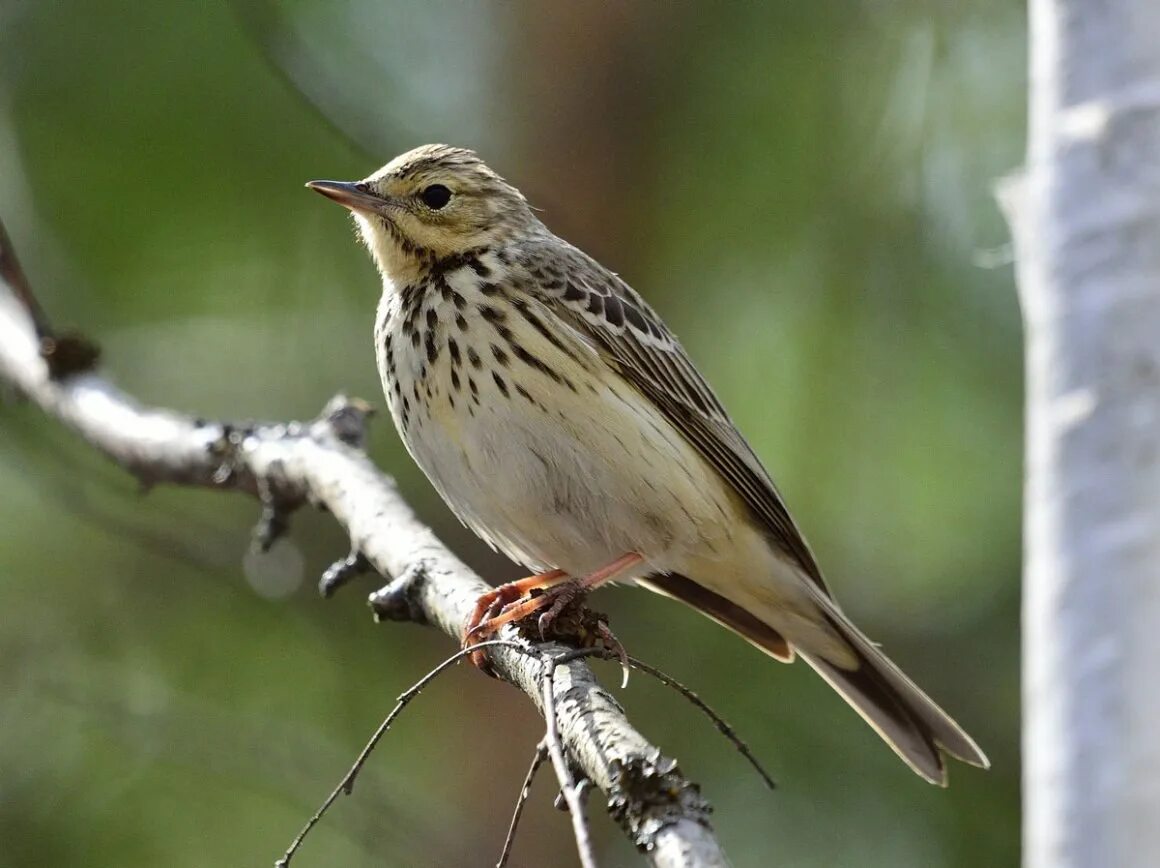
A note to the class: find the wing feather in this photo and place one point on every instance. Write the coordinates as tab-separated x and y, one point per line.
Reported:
636	343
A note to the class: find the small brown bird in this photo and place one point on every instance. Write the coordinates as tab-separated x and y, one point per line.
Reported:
563	423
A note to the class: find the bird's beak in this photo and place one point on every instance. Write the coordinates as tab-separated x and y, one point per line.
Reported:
348	194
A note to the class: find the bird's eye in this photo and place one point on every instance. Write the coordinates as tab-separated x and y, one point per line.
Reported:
435	196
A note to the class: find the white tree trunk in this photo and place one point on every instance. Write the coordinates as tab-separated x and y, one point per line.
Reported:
1086	221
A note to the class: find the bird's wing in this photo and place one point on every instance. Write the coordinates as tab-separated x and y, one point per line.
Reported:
610	316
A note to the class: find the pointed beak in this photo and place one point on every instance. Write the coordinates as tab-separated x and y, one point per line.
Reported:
348	194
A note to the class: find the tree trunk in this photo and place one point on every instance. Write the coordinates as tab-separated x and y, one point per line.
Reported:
1086	222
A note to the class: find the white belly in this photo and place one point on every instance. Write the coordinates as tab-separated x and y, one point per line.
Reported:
572	488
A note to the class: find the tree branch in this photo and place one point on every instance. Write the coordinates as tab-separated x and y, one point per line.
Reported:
288	465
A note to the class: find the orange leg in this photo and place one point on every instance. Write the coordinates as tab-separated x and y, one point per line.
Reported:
500	607
493	602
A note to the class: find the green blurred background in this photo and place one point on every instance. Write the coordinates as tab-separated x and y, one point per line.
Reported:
802	189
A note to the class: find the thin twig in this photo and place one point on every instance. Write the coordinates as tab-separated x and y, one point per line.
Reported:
342	572
718	721
664	678
563	772
65	353
538	758
14	276
346	785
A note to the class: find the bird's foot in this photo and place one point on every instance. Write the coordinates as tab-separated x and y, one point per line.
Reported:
611	643
556	600
492	609
550	594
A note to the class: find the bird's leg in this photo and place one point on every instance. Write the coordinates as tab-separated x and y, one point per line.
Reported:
554	598
488	606
565	593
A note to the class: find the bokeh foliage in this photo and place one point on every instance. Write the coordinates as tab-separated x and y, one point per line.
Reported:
802	189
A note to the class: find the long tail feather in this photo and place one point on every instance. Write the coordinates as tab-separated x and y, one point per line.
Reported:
907	719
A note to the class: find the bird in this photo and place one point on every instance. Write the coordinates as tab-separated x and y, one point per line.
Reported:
563	422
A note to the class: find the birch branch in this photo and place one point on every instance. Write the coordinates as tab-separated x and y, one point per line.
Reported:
288	465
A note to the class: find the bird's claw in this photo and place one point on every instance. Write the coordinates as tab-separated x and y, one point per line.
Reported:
562	598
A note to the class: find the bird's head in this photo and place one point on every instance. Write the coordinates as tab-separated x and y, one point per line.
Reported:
428	204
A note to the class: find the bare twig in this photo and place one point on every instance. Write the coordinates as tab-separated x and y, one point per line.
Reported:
16	282
65	353
568	786
538	758
574	793
718	721
343	571
321	462
346	785
723	726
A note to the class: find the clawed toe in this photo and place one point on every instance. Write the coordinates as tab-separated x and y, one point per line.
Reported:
562	596
548	593
511	602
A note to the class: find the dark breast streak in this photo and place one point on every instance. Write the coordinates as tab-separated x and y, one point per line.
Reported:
459	327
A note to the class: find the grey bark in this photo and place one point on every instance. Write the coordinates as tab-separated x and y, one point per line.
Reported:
321	462
1085	216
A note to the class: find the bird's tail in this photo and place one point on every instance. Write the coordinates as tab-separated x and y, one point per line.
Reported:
906	718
